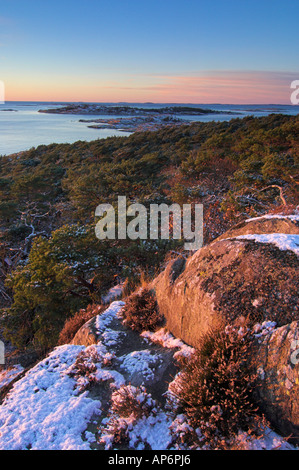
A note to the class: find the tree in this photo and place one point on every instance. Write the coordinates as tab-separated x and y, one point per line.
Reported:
62	275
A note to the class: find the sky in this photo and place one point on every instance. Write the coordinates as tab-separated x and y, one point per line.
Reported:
162	51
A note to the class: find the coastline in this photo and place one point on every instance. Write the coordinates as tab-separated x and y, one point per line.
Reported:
133	119
30	124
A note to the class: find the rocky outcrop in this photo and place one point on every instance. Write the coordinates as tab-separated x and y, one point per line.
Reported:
87	334
224	281
262	225
277	355
227	281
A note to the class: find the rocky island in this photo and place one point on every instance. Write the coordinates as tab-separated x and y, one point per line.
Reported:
135	124
134	119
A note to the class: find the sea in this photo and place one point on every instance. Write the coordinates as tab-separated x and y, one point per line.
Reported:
22	127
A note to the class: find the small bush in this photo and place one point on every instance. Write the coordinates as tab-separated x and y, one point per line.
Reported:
141	311
73	324
84	369
132	401
129	404
215	390
87	365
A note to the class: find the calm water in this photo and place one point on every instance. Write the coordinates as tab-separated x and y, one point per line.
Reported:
23	127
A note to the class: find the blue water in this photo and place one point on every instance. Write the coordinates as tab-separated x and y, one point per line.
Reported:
24	127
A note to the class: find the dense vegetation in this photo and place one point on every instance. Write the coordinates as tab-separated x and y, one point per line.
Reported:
52	265
215	389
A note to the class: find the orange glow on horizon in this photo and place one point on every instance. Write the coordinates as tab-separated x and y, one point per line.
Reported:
210	87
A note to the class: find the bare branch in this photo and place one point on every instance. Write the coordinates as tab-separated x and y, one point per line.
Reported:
280	192
293	179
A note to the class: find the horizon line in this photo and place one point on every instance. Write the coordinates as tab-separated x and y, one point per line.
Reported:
145	102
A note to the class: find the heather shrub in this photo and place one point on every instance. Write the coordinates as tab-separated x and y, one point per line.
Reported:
73	324
85	368
132	401
214	390
141	311
129	404
139	279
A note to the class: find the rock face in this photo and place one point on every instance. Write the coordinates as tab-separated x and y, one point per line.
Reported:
87	334
224	281
278	358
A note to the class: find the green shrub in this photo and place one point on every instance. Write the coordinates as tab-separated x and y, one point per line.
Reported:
63	274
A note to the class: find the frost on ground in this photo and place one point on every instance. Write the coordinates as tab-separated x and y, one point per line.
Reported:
105	319
140	361
81	397
136	419
243	441
114	293
260	330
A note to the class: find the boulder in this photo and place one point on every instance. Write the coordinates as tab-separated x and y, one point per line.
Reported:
225	281
277	356
87	334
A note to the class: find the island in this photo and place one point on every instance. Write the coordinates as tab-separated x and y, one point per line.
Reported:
133	119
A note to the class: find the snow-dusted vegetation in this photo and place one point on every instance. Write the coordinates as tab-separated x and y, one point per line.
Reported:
54	406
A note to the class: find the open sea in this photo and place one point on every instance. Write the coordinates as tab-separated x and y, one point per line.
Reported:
23	127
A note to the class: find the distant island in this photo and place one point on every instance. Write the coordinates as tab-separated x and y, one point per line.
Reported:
86	108
137	119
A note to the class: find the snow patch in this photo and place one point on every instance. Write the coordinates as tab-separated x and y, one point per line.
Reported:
269	441
105	319
293	217
283	241
143	362
167	340
263	329
44	411
114	293
153	430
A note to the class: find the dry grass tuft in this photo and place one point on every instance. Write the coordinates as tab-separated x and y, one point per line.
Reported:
73	324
